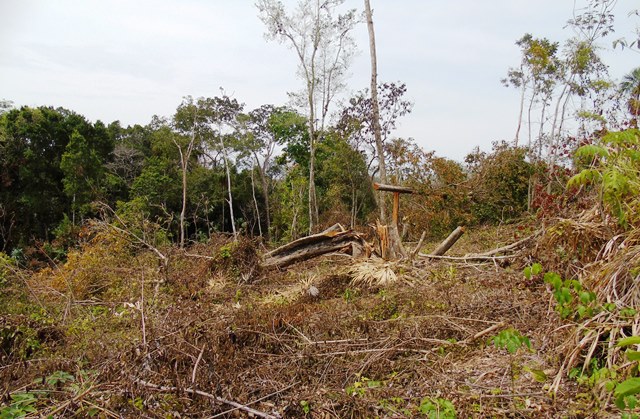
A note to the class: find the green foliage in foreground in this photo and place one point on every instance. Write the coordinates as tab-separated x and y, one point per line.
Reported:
613	167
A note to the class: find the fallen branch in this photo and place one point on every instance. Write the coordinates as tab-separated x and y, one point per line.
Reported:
513	246
256	401
448	242
469	258
237	406
419	245
195	366
484	332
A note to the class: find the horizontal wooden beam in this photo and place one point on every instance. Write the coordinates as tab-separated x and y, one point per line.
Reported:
392	188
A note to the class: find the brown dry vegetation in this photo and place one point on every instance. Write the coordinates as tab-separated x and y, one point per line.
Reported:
138	340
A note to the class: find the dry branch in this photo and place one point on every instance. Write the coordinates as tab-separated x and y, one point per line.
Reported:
470	258
513	246
448	242
208	395
419	245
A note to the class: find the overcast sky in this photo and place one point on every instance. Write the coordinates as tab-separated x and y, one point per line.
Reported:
128	60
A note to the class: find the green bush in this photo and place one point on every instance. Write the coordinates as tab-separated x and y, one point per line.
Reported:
499	183
614	170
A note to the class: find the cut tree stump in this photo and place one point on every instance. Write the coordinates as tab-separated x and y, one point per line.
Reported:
391	247
333	239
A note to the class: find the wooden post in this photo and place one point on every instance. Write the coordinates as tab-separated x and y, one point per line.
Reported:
396	207
397	190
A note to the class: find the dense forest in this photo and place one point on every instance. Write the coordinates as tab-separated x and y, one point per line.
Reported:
132	259
212	168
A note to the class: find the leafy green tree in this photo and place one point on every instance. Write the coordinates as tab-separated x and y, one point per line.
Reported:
260	132
83	173
32	191
189	138
343	177
221	116
499	183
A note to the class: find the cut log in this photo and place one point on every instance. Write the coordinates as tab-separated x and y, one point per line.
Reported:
448	242
331	240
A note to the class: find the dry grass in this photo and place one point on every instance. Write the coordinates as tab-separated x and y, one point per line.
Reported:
372	273
377	340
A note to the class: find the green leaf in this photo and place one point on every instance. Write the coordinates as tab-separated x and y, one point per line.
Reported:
536	268
633	355
619	402
591	150
537	375
373	384
585	177
631	340
628	387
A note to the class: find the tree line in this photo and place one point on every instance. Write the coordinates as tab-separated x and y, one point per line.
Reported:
279	172
215	167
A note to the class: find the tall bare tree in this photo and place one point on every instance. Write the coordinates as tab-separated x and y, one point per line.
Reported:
377	130
324	46
185	120
395	249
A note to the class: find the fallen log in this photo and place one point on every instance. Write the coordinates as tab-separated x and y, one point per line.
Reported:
448	242
334	239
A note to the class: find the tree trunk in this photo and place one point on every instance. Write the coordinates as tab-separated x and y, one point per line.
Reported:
184	165
313	205
184	198
333	239
517	136
230	200
377	131
267	207
255	201
262	170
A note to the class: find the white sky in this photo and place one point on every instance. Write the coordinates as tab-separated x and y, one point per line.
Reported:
128	60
